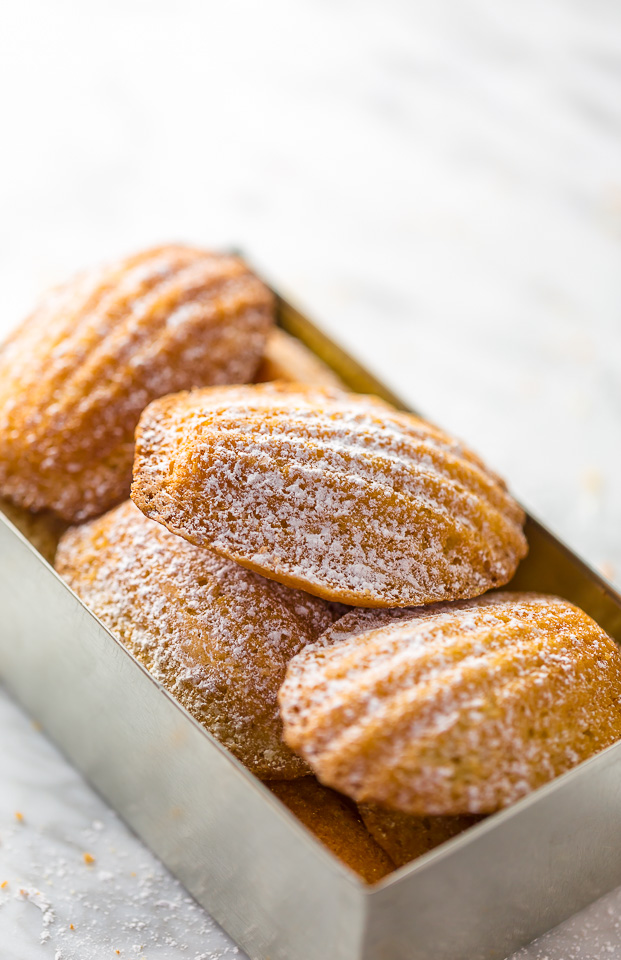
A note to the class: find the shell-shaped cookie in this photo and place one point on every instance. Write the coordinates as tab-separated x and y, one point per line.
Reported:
338	494
455	709
75	376
336	823
218	637
405	838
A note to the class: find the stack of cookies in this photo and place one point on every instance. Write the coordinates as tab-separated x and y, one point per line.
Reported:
305	569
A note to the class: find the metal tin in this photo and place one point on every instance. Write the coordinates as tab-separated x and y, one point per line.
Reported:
245	858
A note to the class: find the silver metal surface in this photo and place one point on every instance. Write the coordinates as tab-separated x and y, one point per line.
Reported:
233	845
240	852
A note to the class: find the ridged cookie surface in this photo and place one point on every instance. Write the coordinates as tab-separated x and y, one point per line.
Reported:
457	709
336	823
405	838
76	375
338	494
217	636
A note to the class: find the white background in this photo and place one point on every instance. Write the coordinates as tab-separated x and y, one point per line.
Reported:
438	184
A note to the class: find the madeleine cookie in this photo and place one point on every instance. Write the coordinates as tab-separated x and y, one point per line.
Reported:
215	635
403	837
461	709
340	495
76	375
335	822
286	358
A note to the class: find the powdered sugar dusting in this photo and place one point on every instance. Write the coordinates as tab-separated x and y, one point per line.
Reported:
454	708
76	375
216	635
339	494
132	908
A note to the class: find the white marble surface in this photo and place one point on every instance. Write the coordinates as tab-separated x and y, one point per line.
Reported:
439	184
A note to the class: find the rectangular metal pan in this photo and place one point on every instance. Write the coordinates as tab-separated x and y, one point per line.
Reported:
244	857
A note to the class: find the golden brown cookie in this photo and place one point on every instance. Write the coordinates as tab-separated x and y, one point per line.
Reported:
75	376
43	530
286	358
335	822
337	494
459	709
403	837
215	635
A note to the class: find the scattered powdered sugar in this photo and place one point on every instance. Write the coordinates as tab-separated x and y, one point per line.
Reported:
44	905
338	494
49	817
592	934
89	921
454	708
